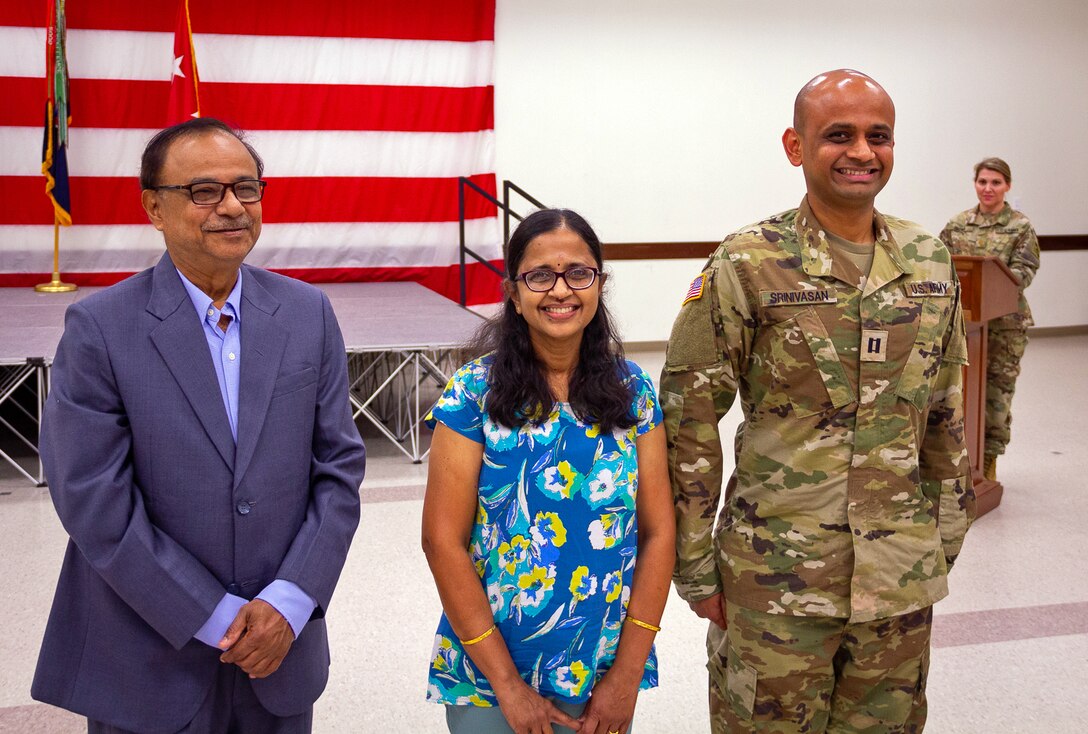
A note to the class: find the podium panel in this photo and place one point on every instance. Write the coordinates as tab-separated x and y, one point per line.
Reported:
988	290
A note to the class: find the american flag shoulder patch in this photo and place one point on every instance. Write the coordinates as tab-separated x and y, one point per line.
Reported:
695	292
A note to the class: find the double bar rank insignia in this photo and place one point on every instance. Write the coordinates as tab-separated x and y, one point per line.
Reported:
874	345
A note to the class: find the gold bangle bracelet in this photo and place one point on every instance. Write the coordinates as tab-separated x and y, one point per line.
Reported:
481	638
643	625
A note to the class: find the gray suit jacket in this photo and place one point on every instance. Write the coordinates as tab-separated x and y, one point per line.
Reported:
164	512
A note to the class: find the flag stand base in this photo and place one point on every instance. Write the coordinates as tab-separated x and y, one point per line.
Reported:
55	286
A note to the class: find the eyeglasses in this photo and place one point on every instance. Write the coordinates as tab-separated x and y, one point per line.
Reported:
209	193
577	278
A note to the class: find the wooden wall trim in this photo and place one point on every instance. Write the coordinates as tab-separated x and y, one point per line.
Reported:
700	250
658	250
1052	242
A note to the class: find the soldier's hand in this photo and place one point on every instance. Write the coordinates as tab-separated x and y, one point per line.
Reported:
712	608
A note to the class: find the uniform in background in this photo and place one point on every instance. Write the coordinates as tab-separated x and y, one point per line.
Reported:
1008	236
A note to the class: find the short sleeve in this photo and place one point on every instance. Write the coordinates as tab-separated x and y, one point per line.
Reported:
646	408
461	405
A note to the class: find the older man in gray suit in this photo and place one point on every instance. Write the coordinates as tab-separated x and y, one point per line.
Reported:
201	454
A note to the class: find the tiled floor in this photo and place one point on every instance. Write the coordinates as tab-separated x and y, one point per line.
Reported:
1010	643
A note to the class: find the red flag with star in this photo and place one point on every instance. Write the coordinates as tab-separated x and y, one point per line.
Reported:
184	96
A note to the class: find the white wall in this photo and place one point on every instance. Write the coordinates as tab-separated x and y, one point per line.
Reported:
662	121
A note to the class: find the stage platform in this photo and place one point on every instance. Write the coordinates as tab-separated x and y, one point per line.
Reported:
400	339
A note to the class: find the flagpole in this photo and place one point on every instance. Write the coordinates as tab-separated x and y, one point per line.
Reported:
56	285
54	154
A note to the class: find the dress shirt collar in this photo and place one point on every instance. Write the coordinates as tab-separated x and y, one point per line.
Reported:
202	302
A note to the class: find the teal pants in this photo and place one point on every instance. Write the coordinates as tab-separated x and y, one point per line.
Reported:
489	720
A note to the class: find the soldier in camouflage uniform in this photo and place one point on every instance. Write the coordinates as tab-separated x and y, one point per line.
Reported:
995	229
841	331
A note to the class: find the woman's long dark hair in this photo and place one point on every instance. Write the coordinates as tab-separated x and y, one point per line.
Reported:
517	389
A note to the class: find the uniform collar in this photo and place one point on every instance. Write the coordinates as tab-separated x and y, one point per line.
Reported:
816	259
981	219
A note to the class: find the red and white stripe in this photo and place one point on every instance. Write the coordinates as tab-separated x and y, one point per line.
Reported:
365	117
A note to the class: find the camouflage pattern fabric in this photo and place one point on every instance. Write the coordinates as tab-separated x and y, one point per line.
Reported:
851	495
1004	350
1007	235
775	674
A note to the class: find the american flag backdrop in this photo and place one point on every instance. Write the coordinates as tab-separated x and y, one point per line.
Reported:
364	112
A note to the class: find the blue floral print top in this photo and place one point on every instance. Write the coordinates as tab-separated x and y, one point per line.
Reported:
554	542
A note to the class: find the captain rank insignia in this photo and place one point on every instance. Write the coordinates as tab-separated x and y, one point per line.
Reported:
874	345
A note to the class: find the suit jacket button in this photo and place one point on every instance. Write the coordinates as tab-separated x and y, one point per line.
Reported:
243	508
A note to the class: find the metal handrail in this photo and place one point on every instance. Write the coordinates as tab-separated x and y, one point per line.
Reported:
508	212
506	186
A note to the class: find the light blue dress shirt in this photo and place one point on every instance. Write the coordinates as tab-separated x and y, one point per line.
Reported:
293	603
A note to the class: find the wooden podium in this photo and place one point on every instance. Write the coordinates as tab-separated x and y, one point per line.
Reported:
988	290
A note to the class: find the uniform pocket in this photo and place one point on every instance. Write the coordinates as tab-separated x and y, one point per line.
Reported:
739	684
924	360
923	678
804	367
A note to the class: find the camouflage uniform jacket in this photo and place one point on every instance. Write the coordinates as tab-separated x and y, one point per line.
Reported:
851	495
1007	235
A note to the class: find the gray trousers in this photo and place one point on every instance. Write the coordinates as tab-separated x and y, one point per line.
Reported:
230	708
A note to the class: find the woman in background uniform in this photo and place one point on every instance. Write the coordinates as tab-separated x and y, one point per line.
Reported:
995	229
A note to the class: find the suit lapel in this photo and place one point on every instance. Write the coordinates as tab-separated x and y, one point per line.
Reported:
263	343
180	340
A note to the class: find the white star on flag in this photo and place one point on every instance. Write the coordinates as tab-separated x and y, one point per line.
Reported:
177	66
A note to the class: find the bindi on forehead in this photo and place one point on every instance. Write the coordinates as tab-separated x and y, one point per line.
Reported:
557	250
558	264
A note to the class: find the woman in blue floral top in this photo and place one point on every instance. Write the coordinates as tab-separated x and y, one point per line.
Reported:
548	520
